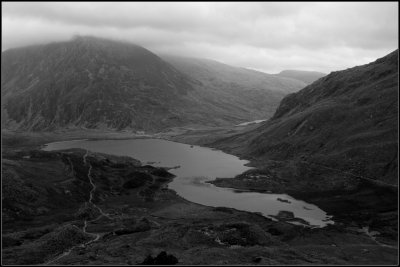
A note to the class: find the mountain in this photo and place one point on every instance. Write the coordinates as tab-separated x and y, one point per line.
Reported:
307	77
92	82
251	94
214	72
89	81
346	123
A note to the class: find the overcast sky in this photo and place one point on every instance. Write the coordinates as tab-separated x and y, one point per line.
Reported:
266	36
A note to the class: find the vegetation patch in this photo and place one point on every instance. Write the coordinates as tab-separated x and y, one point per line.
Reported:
137	179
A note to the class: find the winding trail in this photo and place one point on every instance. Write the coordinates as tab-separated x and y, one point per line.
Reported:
96	236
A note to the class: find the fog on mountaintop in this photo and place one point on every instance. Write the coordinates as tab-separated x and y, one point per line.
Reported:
269	37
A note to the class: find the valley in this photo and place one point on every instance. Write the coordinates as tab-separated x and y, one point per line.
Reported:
145	218
112	154
327	146
96	83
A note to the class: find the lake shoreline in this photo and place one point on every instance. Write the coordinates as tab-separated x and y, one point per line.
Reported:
195	162
335	202
46	137
195	217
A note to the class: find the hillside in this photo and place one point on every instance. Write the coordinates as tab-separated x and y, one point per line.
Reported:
255	94
214	71
347	119
334	143
306	76
90	82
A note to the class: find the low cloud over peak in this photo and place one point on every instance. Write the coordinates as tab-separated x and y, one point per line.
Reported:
266	36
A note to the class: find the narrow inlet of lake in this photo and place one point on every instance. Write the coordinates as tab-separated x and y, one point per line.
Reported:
196	166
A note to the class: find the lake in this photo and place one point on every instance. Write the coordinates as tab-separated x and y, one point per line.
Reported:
198	165
250	122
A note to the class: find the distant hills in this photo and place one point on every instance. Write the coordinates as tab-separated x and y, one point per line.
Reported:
306	76
92	82
347	120
214	72
248	94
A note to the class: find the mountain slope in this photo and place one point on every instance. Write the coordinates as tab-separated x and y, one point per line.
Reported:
88	82
306	76
346	121
254	94
214	71
91	82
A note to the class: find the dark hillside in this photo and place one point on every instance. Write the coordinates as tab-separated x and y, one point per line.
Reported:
347	120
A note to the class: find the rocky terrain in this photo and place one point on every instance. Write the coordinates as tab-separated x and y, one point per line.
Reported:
90	82
78	207
334	143
346	121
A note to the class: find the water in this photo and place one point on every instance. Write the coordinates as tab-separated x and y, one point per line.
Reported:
197	165
250	122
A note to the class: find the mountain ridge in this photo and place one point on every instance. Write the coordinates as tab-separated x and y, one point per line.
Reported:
92	82
346	120
237	73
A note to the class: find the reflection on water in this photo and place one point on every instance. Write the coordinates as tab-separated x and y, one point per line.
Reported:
250	122
198	165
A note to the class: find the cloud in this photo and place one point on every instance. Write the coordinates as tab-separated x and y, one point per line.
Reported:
268	36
